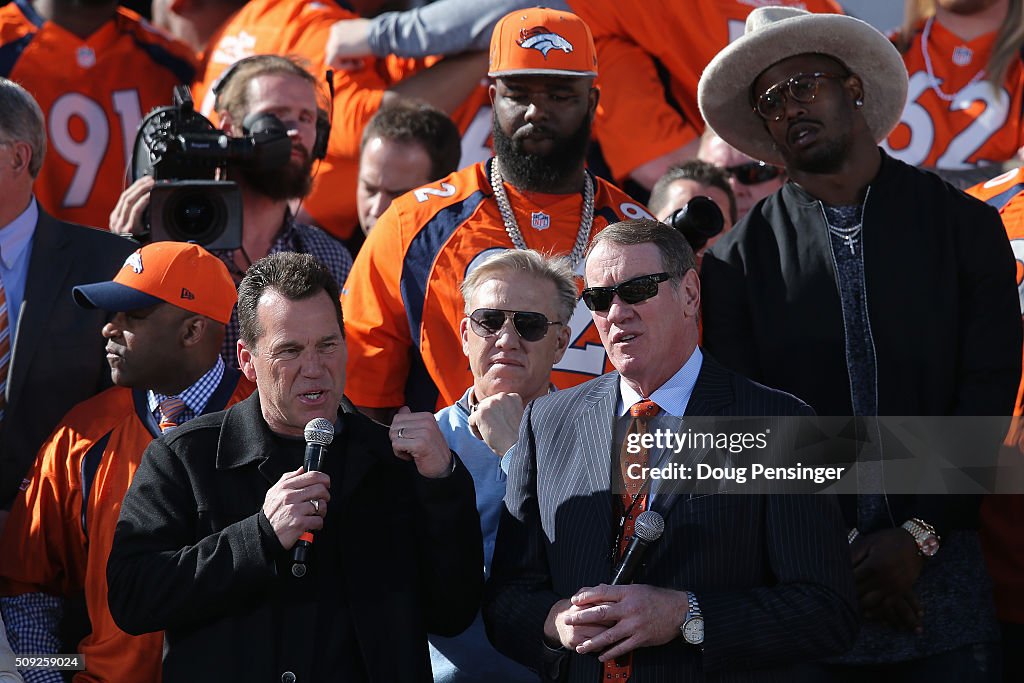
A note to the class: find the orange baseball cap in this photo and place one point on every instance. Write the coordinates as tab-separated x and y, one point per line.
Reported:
542	42
178	273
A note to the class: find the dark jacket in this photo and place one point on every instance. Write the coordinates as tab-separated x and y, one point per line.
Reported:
771	573
57	358
194	554
941	297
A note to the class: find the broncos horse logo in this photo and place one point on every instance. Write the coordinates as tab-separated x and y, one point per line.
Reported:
543	40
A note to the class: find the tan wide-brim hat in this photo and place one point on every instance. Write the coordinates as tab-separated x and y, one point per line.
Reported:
776	33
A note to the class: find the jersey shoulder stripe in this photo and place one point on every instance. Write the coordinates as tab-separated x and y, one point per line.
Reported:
419	258
11	52
29	12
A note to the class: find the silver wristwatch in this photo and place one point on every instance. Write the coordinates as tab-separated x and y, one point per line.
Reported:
924	536
693	628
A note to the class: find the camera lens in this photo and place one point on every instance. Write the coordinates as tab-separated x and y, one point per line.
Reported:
195	217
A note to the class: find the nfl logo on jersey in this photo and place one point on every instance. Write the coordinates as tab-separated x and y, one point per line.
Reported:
540	220
962	56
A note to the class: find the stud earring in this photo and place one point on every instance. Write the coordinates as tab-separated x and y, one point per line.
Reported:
859	103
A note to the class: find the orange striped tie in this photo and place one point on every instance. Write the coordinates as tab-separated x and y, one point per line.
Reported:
171	409
5	350
621	668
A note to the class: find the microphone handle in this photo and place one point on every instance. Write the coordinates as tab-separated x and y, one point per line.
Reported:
300	551
630	562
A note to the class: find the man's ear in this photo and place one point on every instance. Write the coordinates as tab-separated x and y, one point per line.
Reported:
245	361
464	335
563	342
193	329
855	87
691	293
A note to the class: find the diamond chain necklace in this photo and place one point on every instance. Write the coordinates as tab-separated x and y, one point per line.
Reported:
512	228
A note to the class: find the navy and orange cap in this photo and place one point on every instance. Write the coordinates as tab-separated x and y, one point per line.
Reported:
542	42
178	273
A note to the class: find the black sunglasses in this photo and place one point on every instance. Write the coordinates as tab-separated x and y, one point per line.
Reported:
531	326
771	105
753	173
631	292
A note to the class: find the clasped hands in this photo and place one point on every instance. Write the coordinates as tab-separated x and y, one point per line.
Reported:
611	621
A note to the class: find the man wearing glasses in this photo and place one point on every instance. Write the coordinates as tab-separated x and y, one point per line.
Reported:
518	304
767	574
866	287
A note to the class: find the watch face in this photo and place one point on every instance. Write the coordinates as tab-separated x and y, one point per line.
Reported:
929	546
693	630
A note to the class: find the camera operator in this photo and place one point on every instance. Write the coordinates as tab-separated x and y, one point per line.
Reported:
279	86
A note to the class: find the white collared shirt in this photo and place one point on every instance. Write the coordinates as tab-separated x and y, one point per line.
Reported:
673	396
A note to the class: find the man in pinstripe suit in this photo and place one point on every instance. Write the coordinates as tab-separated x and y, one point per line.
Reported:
770	575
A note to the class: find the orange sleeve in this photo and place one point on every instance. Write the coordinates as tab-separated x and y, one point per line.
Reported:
376	326
43	544
634	123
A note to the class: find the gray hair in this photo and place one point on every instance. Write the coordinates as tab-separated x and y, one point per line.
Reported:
676	254
21	120
553	268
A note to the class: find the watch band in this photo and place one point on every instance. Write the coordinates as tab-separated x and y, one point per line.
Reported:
924	535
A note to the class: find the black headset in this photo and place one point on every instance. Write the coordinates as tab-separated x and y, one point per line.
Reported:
323	117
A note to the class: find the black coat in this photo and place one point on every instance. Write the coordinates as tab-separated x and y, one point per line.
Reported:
943	309
193	554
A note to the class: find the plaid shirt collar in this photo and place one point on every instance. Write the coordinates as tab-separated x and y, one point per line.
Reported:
196	396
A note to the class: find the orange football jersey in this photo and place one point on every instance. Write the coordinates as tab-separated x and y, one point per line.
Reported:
93	93
954	118
46	547
650	56
300	28
402	301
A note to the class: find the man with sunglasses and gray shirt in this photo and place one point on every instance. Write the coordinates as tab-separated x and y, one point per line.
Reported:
517	304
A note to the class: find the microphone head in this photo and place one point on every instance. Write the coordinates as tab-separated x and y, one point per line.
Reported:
319	430
649	526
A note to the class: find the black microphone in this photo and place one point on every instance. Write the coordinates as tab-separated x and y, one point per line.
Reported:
648	528
319	433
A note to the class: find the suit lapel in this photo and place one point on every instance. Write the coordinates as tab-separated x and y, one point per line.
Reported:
49	264
712	393
591	465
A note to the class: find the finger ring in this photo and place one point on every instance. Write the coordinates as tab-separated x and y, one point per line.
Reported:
401	432
316	507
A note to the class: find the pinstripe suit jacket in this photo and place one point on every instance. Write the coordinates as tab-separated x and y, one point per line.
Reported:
772	572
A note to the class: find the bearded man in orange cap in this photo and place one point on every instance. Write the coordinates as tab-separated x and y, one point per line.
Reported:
402	302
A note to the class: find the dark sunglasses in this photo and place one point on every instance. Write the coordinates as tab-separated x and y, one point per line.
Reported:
631	292
531	326
753	173
771	105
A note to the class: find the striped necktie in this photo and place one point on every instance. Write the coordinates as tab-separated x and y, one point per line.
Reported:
5	350
171	409
632	504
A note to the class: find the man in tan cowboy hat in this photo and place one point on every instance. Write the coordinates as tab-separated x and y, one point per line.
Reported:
865	287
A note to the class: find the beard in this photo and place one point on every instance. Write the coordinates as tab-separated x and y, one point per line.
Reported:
294	180
536	172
